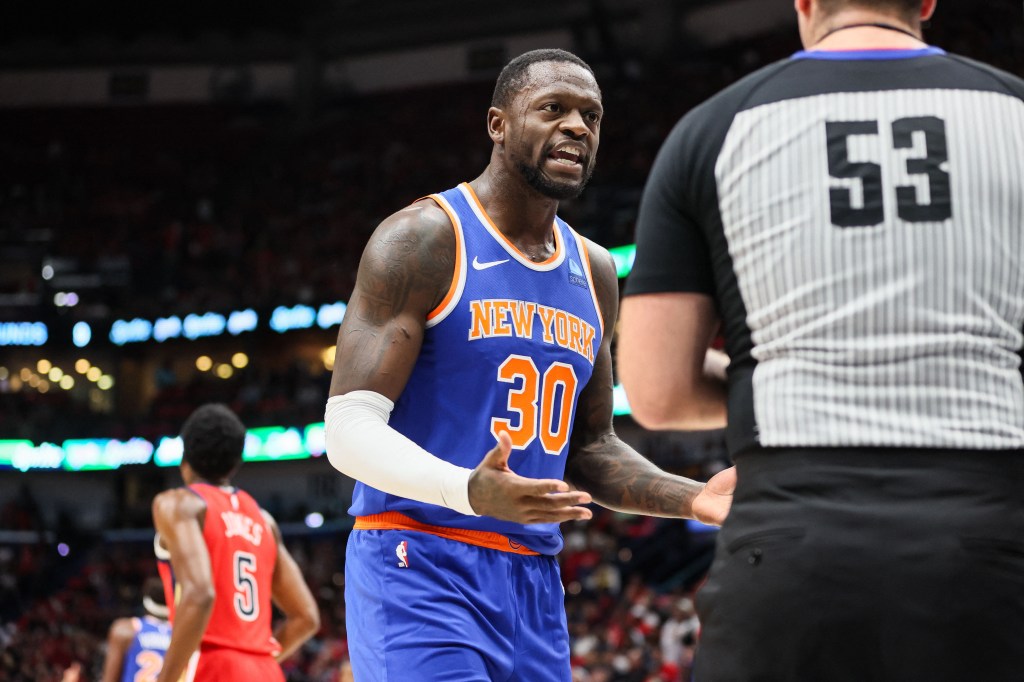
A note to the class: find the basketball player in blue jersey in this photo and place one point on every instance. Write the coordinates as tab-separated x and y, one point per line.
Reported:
480	316
136	646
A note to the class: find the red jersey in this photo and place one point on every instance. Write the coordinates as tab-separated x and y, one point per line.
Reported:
243	552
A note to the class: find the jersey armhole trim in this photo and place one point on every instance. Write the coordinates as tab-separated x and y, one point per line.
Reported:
585	256
451	299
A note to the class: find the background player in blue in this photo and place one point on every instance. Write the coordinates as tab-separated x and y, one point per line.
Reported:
852	218
136	646
479	315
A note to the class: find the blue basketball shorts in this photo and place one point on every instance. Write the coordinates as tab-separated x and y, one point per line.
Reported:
427	608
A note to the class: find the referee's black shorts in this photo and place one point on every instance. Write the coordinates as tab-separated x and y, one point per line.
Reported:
862	565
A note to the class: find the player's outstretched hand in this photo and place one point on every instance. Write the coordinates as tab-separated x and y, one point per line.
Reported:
495	490
711	505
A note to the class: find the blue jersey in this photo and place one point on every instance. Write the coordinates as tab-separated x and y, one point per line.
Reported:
509	349
145	655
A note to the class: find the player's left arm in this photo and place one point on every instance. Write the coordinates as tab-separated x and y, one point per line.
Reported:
119	638
616	475
291	594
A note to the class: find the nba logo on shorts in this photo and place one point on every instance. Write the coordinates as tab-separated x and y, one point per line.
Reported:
403	554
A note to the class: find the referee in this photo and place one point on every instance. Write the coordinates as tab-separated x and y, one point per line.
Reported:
850	220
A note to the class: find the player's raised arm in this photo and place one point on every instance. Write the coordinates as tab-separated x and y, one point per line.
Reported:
615	474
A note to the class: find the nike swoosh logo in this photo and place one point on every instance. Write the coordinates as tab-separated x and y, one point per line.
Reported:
477	265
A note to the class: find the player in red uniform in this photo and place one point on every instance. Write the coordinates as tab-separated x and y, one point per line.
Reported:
223	562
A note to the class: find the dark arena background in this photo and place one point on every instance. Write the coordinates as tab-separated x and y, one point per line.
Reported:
185	191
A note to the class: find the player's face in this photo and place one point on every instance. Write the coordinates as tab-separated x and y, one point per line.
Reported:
554	127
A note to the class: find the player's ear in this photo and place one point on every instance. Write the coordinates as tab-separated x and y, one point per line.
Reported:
496	125
928	9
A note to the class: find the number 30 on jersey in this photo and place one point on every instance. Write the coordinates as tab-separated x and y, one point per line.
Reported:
542	403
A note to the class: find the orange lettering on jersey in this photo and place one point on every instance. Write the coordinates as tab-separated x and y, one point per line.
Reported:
482	323
507	317
588	340
547	315
574	335
501	325
522	318
562	328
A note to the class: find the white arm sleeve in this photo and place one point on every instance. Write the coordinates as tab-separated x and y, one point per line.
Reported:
360	444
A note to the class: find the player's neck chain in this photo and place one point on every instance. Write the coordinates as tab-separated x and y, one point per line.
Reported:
888	27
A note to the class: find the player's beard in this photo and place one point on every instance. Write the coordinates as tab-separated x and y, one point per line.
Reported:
560	191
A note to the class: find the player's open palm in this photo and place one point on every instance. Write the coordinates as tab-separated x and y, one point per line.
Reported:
497	491
712	504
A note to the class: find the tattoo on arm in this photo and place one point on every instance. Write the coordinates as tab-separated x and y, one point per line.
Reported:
616	475
620	478
405	272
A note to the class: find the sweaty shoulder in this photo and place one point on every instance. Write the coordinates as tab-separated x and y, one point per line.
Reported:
422	222
423	215
178	503
413	249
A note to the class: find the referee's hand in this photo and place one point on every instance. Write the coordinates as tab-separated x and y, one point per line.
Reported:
497	491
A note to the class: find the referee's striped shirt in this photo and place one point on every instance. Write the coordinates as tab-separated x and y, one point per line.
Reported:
858	218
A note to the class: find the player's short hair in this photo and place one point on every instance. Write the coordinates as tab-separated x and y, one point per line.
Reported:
213	437
516	74
908	9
